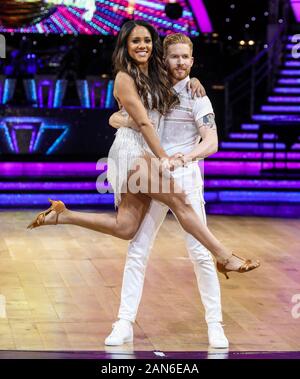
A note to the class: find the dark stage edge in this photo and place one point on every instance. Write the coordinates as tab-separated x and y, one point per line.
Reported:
215	354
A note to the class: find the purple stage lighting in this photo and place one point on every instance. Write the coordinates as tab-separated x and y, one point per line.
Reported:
36	127
296	9
286	90
281	108
284	99
250	145
252	183
201	15
290	72
90	169
32	128
275	117
49	85
289	81
250	127
255	155
64	18
292	64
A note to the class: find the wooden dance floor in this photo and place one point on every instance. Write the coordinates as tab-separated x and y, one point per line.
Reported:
60	288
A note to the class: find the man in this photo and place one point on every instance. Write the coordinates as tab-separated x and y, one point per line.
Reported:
180	134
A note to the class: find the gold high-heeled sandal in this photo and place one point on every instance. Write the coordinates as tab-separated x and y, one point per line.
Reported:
248	265
56	206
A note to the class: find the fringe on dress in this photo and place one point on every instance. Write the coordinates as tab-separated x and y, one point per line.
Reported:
128	146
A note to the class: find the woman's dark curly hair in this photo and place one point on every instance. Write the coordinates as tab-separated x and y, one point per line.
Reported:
156	83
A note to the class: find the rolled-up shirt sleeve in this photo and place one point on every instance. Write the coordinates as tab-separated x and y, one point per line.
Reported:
202	107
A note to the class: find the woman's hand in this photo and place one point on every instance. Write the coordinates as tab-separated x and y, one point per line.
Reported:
181	159
171	163
196	87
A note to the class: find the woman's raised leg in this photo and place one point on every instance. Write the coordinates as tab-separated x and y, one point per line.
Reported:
175	199
122	224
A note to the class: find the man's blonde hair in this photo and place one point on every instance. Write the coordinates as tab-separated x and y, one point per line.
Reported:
173	39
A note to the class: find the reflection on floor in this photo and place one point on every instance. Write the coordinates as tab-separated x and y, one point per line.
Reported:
60	290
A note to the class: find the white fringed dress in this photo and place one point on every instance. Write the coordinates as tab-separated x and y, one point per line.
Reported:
128	146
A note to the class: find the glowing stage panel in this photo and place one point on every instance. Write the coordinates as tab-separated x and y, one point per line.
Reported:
295	4
98	16
25	134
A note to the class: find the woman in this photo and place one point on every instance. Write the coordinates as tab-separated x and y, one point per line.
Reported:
143	90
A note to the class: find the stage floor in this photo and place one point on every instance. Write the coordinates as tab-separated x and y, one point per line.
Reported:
60	289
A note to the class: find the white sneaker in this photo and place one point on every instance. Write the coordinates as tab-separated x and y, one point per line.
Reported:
216	336
122	333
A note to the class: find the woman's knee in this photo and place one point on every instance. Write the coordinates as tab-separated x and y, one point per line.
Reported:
178	201
126	232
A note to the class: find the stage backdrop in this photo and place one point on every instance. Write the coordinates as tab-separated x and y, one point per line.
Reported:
69	134
100	16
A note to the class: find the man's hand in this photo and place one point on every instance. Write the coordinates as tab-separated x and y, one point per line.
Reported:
196	87
120	119
181	159
169	164
173	162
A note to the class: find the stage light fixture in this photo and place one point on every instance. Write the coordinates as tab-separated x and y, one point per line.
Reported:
173	10
242	42
251	42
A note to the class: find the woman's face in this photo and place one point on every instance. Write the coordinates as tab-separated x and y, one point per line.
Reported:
139	45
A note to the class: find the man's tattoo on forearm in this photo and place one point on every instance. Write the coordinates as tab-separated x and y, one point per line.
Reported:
208	121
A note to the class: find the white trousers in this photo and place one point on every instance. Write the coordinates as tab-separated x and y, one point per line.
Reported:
140	247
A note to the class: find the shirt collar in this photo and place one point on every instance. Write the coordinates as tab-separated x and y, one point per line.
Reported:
181	85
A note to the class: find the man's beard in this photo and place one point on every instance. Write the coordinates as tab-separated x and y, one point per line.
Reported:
184	74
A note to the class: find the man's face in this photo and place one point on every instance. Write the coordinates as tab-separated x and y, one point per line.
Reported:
179	61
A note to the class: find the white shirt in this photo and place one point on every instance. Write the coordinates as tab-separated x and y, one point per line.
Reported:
179	131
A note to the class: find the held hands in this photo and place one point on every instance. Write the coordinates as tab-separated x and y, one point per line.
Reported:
173	162
169	164
181	159
195	87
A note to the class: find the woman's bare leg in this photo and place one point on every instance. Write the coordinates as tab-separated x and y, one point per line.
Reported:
134	206
122	224
175	199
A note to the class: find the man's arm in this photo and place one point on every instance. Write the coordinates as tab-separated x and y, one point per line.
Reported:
120	119
209	137
209	143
